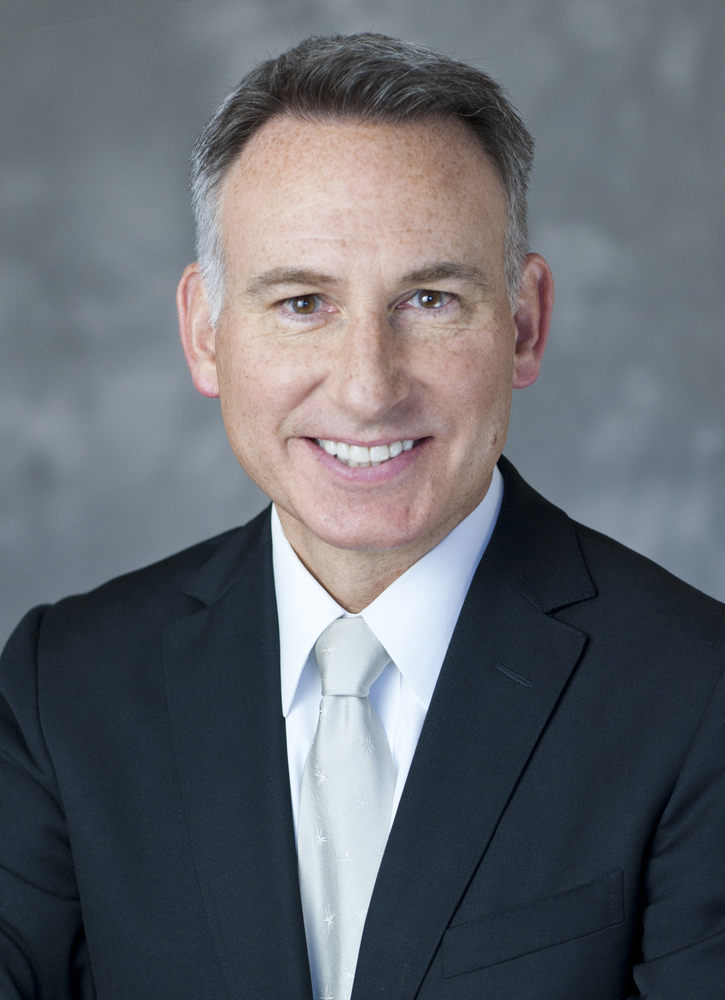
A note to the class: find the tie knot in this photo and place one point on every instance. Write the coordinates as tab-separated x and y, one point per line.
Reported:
350	657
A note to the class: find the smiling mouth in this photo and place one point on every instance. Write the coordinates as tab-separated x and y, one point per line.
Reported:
358	456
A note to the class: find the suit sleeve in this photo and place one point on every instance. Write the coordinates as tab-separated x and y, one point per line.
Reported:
42	947
683	933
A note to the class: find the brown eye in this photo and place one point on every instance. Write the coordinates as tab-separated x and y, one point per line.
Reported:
431	300
304	305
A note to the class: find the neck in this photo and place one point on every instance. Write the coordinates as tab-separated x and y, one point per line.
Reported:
353	577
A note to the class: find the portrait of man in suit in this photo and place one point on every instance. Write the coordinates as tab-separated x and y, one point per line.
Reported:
411	732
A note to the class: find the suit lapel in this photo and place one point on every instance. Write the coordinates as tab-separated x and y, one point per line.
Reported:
222	675
504	672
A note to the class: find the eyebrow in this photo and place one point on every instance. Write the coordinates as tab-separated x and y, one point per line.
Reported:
287	276
441	270
438	271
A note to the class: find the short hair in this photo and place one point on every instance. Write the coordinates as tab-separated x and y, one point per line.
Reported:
360	77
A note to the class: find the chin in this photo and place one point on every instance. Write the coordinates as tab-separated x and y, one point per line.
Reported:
379	533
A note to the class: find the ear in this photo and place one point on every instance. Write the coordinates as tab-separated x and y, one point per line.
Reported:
198	337
532	319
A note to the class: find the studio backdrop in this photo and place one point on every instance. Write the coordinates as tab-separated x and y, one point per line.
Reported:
110	460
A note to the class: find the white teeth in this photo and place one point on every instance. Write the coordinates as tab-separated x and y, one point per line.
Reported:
379	453
358	456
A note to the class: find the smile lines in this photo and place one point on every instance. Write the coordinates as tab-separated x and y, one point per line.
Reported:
358	456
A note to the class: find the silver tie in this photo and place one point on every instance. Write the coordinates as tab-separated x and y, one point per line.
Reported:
346	803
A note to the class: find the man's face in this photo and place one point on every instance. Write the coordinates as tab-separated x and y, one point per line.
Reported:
366	306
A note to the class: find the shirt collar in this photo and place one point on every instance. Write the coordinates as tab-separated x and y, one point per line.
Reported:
413	618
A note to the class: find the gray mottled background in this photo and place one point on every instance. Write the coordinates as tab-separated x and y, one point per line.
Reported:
108	458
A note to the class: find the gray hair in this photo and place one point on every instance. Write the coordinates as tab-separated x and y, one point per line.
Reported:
368	77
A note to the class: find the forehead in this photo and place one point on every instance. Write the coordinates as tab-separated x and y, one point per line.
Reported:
361	182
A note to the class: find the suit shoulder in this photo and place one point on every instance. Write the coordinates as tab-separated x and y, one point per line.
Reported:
158	591
643	592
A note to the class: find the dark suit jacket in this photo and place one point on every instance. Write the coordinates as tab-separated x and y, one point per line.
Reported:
561	835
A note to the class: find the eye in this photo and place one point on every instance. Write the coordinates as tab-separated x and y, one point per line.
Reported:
304	305
429	299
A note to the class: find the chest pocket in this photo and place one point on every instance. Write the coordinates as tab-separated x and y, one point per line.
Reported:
543	923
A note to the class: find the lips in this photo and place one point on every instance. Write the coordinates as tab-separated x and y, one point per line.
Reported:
360	456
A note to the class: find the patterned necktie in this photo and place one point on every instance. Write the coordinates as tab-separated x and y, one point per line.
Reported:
345	805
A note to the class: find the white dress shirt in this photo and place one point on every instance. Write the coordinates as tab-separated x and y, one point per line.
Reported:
413	618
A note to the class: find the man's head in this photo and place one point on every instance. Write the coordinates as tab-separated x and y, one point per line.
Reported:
367	296
364	77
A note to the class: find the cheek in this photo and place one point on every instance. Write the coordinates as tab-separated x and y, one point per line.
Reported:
475	379
261	385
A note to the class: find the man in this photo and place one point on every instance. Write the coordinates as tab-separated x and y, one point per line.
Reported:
512	785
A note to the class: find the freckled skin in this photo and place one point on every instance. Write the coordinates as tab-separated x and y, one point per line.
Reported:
363	205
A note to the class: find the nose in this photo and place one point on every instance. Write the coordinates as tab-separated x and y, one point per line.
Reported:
367	377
